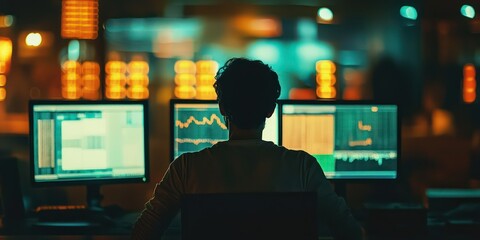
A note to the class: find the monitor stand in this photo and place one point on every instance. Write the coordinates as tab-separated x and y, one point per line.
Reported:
94	197
92	216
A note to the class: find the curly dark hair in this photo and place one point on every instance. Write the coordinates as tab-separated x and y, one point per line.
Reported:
247	90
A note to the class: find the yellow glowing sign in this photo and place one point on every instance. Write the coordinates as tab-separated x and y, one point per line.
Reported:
80	19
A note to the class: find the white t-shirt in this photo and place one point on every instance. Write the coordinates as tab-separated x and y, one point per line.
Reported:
244	166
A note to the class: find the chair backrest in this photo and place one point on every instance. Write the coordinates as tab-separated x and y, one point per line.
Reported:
249	216
10	194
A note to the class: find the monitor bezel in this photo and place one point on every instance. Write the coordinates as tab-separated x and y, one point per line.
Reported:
346	102
174	101
83	182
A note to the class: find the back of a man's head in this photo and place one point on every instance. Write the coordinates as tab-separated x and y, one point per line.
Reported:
247	91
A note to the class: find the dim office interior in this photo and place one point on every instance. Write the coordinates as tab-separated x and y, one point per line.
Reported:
381	93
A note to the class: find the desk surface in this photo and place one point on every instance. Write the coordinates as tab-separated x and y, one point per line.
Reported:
436	230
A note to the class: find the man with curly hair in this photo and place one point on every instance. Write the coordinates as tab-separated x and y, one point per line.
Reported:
247	93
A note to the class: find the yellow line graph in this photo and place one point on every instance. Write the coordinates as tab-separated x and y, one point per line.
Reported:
205	120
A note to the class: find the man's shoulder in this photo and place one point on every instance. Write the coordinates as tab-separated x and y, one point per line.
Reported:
298	153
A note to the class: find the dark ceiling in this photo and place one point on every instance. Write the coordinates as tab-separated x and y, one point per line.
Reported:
38	12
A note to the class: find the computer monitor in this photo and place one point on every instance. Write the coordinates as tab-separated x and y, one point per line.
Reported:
350	140
197	124
88	143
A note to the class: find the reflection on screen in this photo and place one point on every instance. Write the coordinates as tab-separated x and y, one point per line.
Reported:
88	142
348	141
200	125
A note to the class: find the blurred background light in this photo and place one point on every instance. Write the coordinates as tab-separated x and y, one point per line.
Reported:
80	19
325	14
258	26
307	29
5	54
34	43
3	80
326	79
469	83
33	39
185	66
206	70
6	21
467	11
408	12
267	50
166	38
3	94
74	50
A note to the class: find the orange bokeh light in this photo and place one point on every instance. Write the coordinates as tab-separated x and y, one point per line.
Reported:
115	67
115	92
207	67
3	94
185	66
325	66
185	92
80	19
5	54
3	80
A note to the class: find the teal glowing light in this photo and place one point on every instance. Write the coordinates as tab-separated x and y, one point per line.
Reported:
266	50
74	50
313	51
408	12
325	14
467	11
307	29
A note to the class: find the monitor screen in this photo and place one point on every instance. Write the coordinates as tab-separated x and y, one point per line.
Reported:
80	141
349	140
197	124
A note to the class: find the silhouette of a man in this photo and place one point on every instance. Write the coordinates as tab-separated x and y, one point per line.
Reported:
247	92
